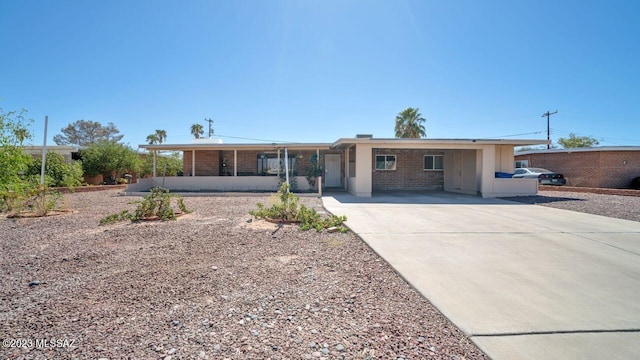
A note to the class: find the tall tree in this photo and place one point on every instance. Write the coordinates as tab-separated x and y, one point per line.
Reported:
197	130
157	138
409	124
162	136
574	141
153	139
86	133
111	133
110	159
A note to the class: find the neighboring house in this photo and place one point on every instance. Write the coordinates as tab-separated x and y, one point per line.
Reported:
68	152
362	165
604	166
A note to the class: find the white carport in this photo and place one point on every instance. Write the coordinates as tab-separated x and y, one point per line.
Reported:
470	165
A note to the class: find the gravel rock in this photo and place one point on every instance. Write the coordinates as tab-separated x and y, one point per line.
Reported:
615	206
123	286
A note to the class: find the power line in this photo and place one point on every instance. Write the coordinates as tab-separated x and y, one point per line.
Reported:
504	136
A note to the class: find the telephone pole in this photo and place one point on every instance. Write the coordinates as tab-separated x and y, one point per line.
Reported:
547	114
210	129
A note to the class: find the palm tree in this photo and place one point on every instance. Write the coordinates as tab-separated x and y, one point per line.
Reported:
409	124
162	136
153	139
197	130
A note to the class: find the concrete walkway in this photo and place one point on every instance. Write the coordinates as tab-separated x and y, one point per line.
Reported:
523	281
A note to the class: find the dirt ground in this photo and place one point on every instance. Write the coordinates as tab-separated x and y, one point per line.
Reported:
214	284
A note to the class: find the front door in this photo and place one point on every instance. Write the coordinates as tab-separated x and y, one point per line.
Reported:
332	170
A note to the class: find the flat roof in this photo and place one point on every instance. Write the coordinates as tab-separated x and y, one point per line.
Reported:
449	142
343	142
218	146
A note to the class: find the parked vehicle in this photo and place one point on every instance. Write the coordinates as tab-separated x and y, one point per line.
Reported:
545	177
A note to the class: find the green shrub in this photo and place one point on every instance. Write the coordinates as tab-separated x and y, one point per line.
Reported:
156	205
57	171
285	208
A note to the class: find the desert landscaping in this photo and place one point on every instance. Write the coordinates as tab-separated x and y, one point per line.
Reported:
214	284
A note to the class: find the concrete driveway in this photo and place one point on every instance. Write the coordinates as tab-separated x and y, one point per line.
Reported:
522	281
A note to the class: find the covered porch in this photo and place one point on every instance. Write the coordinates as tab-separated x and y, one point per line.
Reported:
247	167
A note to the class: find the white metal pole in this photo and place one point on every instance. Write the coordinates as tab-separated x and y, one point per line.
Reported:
154	162
286	165
318	178
44	151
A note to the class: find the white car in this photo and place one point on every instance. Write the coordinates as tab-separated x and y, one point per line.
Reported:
544	176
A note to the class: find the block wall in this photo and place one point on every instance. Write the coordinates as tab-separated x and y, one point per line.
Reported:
597	169
409	173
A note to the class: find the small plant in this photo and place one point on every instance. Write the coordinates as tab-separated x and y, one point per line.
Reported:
155	206
32	201
285	208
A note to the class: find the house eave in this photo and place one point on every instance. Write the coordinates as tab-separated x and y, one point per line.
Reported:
258	147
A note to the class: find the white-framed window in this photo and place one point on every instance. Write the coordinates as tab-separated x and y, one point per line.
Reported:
433	162
385	162
522	163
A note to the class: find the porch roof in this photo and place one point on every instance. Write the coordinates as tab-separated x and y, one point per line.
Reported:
258	147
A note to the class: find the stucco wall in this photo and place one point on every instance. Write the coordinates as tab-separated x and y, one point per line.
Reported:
606	169
409	173
215	183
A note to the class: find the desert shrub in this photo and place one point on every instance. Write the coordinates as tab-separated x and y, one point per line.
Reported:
156	205
285	207
57	171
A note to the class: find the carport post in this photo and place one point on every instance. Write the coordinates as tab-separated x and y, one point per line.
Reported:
193	163
154	162
235	162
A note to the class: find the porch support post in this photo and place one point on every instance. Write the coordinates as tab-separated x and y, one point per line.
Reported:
193	163
279	169
346	169
488	171
319	179
155	155
235	162
364	170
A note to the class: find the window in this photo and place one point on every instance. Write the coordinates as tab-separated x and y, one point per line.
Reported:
433	162
385	162
522	163
268	164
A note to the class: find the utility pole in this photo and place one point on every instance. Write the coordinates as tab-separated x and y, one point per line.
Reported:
210	129
547	114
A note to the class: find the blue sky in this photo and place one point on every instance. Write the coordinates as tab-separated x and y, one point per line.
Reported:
314	71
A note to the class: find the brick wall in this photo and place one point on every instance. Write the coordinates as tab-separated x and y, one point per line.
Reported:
409	173
597	169
208	162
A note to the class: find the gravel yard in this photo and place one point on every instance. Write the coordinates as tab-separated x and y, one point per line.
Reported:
615	206
210	285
